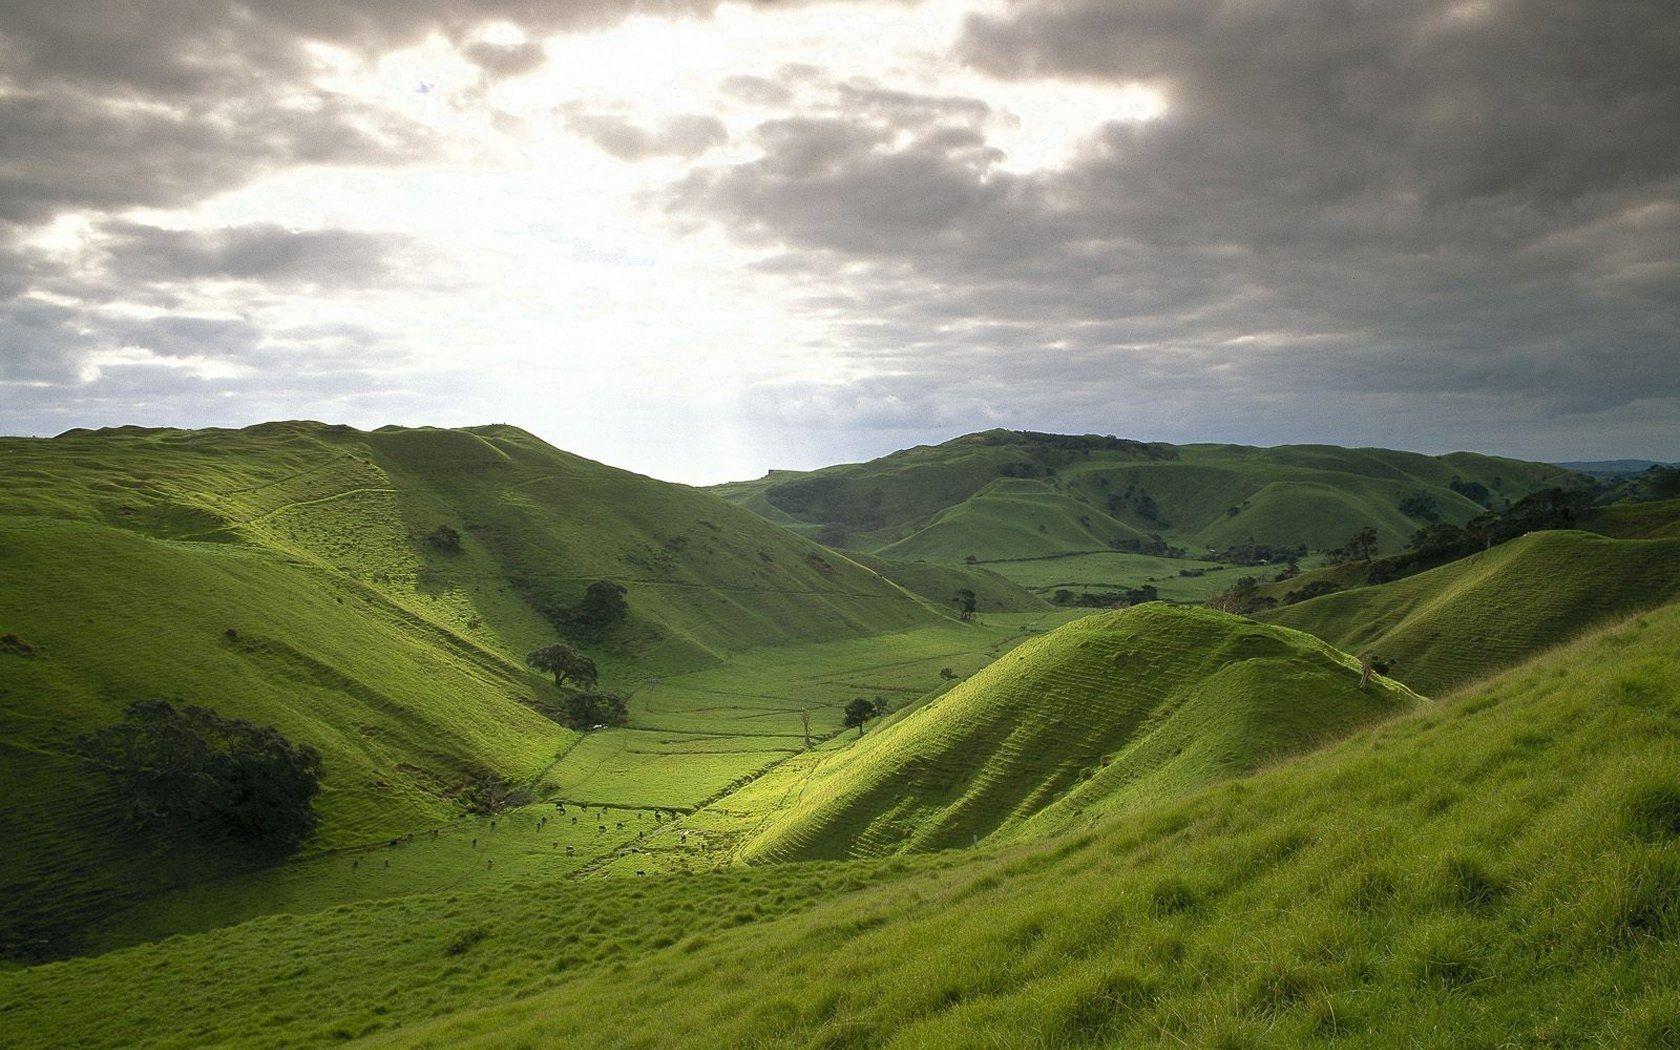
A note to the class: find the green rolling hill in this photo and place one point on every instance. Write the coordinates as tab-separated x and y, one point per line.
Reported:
1651	520
1500	867
1140	704
286	574
1007	497
1481	614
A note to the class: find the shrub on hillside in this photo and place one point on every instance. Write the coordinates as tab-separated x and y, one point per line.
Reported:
1315	589
222	777
445	539
1420	505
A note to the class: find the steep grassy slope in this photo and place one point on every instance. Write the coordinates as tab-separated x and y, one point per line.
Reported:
283	574
404	712
1146	703
1502	868
537	526
1483	613
1198	496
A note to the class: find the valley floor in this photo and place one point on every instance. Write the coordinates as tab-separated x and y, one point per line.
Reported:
644	798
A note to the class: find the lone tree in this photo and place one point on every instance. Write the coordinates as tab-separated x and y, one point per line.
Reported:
1359	547
859	711
603	605
966	603
565	664
215	776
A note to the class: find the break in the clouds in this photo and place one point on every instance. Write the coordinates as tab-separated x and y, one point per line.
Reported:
702	238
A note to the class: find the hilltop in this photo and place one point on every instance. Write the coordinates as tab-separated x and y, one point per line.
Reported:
1145	703
1498	867
370	594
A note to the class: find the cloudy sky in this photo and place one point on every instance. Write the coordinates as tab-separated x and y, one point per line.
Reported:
700	238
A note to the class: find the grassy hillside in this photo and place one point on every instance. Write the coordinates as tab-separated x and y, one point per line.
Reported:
1007	495
1483	613
1013	518
1143	703
1651	520
1193	488
283	574
1502	867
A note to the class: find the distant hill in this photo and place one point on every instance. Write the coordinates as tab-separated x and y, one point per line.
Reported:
1004	494
1144	703
1614	467
1481	614
294	574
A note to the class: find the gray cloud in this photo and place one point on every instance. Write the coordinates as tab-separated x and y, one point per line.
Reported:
679	136
264	253
1470	207
505	60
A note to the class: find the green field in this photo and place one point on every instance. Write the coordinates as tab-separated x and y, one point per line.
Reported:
1176	579
1503	866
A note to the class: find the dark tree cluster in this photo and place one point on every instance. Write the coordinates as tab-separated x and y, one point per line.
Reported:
192	769
1135	501
490	793
580	707
1361	546
966	603
1308	591
1153	544
1258	554
1243	598
1420	505
1107	599
444	538
603	605
1474	491
587	710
